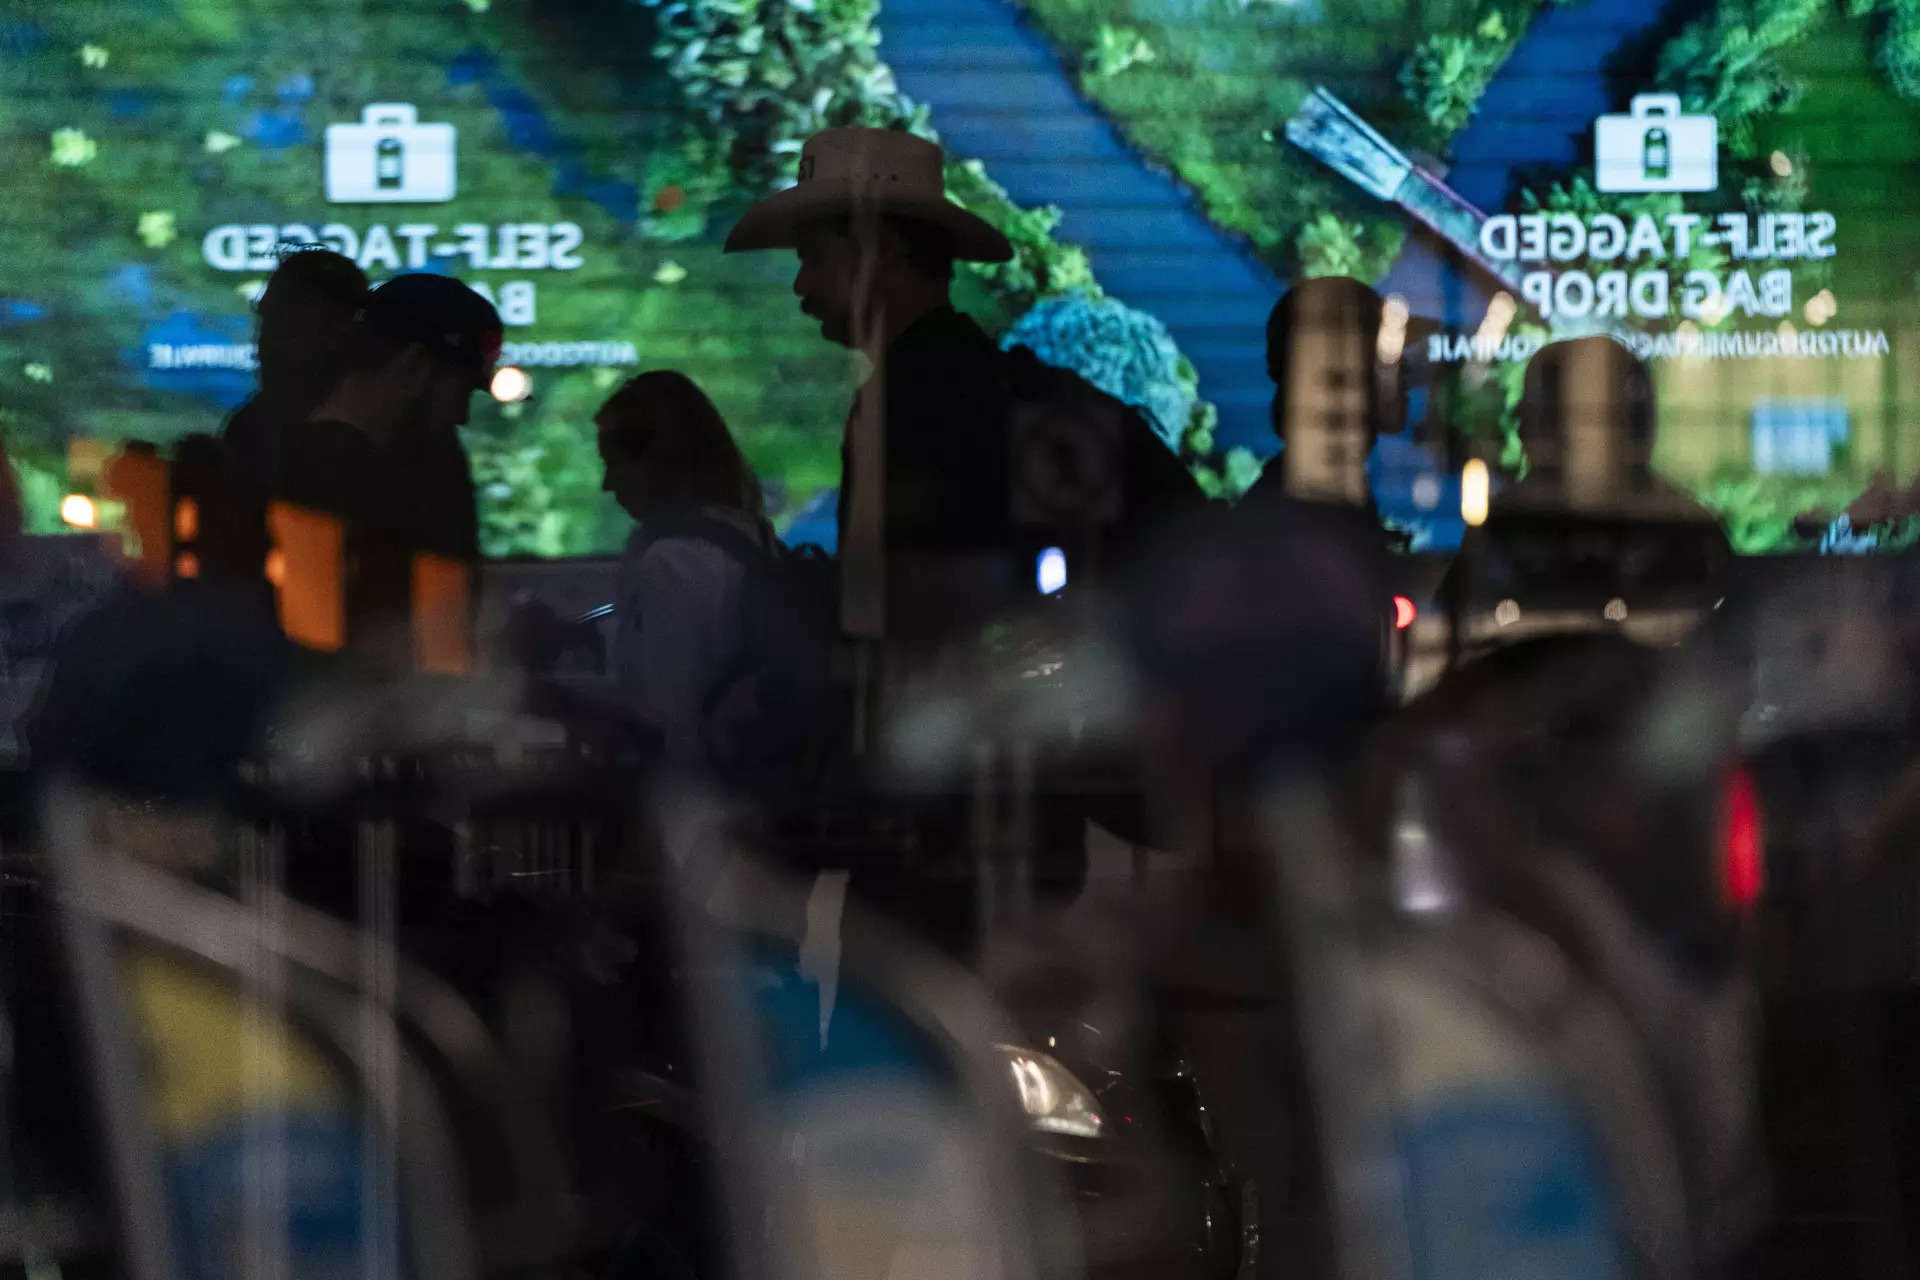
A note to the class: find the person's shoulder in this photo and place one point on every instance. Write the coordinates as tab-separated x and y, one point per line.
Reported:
698	538
945	337
320	439
247	422
330	466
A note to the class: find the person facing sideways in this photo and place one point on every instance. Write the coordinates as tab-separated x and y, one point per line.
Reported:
381	451
306	323
673	466
924	459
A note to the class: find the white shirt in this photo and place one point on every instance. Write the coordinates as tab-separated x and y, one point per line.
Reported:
678	628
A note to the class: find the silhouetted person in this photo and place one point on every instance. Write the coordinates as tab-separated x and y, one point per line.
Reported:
219	534
1588	420
382	452
1328	405
924	463
679	630
306	325
382	448
1328	410
1590	527
161	690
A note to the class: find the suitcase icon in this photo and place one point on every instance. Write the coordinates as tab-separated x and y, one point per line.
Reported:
389	158
1656	148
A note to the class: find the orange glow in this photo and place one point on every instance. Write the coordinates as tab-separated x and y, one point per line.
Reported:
312	552
186	565
276	567
442	590
186	520
144	483
77	509
1403	613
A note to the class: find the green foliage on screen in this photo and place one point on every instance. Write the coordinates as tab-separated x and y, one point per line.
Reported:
1758	511
1447	72
1330	245
1899	52
1726	63
1202	90
1123	351
137	128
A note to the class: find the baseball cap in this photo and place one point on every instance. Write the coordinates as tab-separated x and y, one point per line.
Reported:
443	315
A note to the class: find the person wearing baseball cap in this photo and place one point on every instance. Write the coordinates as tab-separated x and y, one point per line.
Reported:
382	452
924	461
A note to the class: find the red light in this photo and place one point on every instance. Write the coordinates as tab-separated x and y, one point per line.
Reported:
1403	613
1743	869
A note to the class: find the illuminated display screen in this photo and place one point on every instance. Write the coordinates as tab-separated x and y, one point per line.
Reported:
1514	170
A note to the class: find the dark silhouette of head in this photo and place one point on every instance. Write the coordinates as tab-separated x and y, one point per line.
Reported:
306	323
422	345
1322	354
1586	395
664	443
876	234
851	268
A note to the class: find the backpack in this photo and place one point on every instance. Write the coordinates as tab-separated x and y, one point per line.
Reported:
774	714
1086	467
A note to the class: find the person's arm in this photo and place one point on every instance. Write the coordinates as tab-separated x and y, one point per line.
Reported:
679	630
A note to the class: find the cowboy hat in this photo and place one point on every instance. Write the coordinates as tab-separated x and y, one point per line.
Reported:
871	170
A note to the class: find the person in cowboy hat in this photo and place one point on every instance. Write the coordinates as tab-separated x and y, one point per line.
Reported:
924	462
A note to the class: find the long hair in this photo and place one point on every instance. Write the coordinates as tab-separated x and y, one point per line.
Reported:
667	422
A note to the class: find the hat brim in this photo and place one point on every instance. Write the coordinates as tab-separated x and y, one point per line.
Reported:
774	223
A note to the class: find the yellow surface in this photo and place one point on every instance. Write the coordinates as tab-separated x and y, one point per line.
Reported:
210	1053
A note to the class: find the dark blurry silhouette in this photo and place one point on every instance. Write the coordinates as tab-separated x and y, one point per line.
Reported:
1322	351
1589	419
381	449
961	463
680	627
924	463
382	453
217	532
1328	410
306	325
1589	531
1585	781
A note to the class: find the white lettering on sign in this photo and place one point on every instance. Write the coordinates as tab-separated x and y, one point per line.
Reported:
514	300
506	246
1574	294
244	355
415	246
1564	237
1820	344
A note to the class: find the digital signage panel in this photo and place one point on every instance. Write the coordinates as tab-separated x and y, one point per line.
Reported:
1723	185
